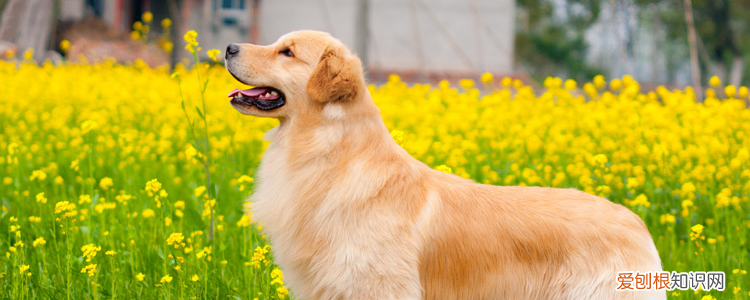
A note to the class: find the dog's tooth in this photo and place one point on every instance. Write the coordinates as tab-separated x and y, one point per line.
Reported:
274	93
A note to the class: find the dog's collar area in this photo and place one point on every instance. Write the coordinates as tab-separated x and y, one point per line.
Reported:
265	98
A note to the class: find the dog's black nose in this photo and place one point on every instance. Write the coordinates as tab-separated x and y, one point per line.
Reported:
232	50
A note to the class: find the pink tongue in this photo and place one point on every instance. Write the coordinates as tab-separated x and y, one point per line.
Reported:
254	92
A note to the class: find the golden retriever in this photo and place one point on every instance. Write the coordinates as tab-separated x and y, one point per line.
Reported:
351	215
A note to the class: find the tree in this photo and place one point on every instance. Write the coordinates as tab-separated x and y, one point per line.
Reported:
721	27
550	37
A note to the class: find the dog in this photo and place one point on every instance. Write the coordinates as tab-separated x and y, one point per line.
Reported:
351	215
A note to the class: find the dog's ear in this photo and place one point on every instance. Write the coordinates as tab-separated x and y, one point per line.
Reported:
336	78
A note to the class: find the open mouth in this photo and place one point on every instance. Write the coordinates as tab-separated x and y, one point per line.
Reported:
264	98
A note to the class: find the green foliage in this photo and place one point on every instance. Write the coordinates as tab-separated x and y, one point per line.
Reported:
549	44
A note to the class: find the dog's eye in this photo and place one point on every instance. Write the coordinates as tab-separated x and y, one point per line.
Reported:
287	52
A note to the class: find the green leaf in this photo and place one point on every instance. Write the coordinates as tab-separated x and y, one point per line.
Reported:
200	113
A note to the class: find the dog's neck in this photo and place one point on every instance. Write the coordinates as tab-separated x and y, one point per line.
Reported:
335	131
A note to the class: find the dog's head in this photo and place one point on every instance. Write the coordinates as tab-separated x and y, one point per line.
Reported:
300	73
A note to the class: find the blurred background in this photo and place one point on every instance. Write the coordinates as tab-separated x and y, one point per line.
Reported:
673	42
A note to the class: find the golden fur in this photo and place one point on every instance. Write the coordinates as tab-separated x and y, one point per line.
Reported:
352	216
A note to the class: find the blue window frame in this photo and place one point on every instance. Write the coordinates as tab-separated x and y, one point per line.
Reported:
233	4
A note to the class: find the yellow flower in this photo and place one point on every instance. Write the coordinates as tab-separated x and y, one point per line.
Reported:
259	256
90	250
743	92
599	81
106	183
153	186
208	205
398	136
688	190
615	84
506	82
64	207
710	93
40	198
195	278
7	180
599	160
167	46
667	218
175	239
83	199
205	252
166	23
641	200
570	84
89	269
698	228
39	241
696	231
245	179
192	42
714	81
282	292
28	54
74	165
166	279
64	46
38	175
466	83
277	276
147	213
444	168
147	17
140	277
517	83
110	253
245	221
213	53
88	126
23	269
199	191
730	91
487	78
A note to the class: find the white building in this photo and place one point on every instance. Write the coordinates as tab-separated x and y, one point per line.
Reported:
420	39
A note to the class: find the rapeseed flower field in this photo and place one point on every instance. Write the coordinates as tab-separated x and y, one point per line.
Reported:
104	196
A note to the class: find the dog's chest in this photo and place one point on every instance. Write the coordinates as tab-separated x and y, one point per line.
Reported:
274	191
312	227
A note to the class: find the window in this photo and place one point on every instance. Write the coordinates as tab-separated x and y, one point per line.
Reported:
232	4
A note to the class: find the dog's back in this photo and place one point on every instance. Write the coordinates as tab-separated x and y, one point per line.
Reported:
492	242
